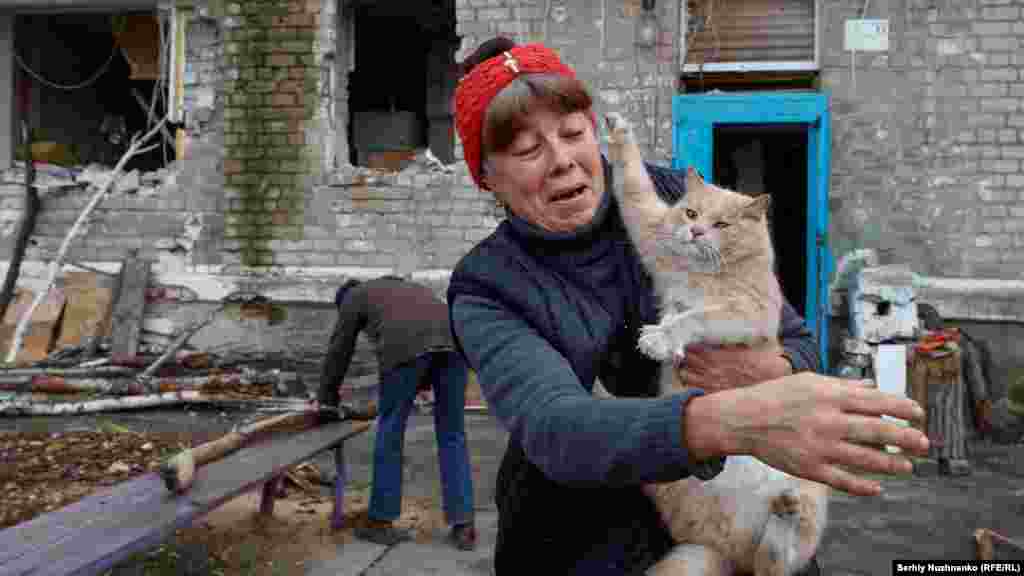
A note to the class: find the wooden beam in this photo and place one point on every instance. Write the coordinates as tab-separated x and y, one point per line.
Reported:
126	318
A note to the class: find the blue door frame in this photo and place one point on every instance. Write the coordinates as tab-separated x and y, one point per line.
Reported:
695	117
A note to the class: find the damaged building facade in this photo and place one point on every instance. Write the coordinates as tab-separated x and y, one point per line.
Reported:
313	140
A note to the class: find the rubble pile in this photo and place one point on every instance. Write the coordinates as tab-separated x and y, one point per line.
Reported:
81	357
55	179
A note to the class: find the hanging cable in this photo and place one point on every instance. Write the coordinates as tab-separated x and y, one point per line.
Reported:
90	80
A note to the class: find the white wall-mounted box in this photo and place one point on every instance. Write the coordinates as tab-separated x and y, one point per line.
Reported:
867	35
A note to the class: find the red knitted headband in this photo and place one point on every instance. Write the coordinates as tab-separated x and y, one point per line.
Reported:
478	87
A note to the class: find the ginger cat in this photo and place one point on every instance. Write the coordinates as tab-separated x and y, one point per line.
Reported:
712	263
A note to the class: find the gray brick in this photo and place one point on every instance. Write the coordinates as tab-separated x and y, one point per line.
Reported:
1013	225
529	12
1001	166
985	120
491	14
989	90
999	75
992	227
1000	59
1016	152
470	28
1011	13
999	44
1000	105
991	28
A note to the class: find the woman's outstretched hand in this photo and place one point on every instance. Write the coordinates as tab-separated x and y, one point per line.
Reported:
808	425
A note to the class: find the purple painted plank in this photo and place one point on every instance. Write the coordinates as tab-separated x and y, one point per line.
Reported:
91	535
102	531
48	529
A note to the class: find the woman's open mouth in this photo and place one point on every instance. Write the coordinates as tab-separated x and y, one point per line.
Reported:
570	194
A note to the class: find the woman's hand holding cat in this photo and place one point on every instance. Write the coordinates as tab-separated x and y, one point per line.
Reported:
808	425
715	368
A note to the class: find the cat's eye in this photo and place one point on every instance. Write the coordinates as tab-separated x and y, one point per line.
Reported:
691	214
721	225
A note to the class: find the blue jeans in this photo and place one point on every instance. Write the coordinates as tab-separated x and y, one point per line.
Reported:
446	372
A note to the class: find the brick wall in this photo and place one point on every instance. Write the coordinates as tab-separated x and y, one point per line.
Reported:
928	138
418	219
598	39
270	59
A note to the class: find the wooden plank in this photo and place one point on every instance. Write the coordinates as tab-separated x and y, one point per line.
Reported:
97	532
90	536
89	298
126	318
42	328
218	482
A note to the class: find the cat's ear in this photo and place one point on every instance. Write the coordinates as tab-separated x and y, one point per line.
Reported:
757	207
693	178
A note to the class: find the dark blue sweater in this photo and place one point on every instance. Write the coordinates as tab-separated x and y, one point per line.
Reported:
539	316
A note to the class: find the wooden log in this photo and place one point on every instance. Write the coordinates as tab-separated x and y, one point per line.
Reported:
126	318
991	545
178	471
21	407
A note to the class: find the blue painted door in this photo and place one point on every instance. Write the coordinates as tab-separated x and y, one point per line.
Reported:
695	117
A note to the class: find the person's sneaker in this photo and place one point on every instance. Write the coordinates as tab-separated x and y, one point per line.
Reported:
383	533
463	536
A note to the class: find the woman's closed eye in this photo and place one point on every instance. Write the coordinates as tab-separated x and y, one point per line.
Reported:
526	151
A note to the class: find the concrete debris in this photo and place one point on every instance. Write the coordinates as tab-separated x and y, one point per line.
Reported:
426	159
129	182
51	178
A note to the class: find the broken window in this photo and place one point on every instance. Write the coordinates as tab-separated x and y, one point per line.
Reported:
84	84
401	86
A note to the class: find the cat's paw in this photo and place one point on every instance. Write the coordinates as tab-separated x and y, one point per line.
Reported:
786	504
654	342
620	131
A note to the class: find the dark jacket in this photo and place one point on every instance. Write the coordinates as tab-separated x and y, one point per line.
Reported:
402	319
539	315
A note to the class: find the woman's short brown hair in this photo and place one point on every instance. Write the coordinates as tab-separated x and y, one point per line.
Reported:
508	111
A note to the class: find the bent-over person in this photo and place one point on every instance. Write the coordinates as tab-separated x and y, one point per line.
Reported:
408	326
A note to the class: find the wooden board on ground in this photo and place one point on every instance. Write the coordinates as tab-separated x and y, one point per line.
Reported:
90	536
126	318
89	298
42	328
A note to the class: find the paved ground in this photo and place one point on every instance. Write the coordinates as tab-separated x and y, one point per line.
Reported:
916	518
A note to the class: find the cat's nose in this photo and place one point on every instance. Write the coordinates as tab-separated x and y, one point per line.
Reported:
697	231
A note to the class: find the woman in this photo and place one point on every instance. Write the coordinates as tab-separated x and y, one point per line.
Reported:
554	299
